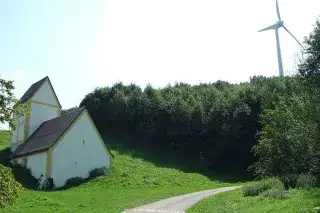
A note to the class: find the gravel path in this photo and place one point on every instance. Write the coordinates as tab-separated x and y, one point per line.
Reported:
178	204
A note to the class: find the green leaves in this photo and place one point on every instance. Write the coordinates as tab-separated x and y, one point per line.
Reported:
214	123
310	67
290	135
10	108
218	124
8	187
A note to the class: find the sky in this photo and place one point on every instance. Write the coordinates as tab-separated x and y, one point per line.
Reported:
84	44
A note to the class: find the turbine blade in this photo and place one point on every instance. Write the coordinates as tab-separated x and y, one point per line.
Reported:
272	27
292	36
278	10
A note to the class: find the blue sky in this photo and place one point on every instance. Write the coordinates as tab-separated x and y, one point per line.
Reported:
83	44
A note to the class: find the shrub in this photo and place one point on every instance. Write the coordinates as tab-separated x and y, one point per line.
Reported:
48	184
306	181
318	179
257	188
8	187
276	193
75	181
290	180
98	172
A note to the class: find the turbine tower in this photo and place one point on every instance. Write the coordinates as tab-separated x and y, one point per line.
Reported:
276	27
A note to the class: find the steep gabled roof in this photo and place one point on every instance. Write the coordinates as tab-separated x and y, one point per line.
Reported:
34	88
47	134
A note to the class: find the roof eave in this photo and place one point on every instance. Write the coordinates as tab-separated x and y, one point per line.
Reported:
29	153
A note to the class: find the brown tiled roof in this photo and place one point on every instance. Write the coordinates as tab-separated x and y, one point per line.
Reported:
47	134
32	89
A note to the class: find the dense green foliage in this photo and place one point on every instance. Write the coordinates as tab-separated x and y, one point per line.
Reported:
306	181
217	124
264	187
98	172
9	105
63	111
21	174
310	67
213	123
8	187
290	142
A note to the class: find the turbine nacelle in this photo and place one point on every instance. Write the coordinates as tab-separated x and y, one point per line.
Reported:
279	23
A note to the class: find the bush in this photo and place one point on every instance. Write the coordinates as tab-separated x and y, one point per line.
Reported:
98	172
8	187
306	181
48	184
257	188
290	180
75	181
276	193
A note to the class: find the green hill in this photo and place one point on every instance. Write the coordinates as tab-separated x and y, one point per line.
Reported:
133	181
235	202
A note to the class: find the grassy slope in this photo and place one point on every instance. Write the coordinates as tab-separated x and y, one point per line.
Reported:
132	182
234	202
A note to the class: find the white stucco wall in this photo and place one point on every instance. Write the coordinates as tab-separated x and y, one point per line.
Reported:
40	113
45	94
18	133
70	158
21	128
14	136
37	164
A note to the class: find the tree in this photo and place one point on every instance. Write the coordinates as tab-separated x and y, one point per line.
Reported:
290	138
310	67
64	111
10	107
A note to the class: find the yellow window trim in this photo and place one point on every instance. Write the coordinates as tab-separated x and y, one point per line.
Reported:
27	117
49	164
45	104
50	150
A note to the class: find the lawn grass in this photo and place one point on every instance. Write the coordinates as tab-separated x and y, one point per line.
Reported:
234	202
133	181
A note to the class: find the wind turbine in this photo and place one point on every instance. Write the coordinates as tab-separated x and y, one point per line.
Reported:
276	27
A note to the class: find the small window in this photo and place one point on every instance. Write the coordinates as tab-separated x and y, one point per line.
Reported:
82	142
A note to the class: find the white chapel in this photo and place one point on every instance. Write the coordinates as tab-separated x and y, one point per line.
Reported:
56	146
